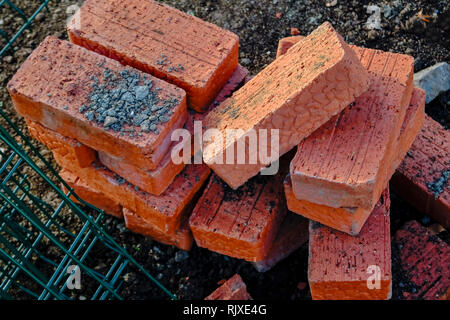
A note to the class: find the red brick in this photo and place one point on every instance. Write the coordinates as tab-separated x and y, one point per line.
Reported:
347	162
425	259
296	94
66	151
90	195
338	263
233	289
152	181
165	211
181	238
239	223
351	220
55	81
137	33
426	163
292	235
348	220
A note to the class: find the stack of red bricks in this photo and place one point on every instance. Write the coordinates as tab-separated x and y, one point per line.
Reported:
107	102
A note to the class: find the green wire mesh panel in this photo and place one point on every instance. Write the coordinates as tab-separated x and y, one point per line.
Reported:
48	244
10	36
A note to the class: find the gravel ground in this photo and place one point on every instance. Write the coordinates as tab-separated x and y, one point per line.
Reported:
259	24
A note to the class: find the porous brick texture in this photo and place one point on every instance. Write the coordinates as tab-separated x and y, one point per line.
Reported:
239	223
348	161
66	151
295	94
233	289
422	177
338	267
351	220
90	195
180	238
172	45
59	80
292	235
425	259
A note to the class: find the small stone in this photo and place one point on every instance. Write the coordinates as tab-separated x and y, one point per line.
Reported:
110	121
181	256
8	59
372	34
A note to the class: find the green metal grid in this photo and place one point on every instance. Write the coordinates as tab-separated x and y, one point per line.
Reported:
30	224
28	20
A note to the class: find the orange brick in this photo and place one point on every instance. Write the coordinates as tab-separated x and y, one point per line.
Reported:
425	260
233	289
296	94
422	177
347	162
292	235
151	181
90	195
66	151
181	238
338	267
239	223
351	220
55	81
159	39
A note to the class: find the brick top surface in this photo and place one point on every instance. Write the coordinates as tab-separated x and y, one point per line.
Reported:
58	73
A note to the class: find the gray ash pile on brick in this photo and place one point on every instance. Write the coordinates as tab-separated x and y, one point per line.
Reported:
127	103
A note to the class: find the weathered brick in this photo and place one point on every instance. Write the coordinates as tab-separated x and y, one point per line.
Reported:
347	162
165	212
180	238
351	220
66	151
233	289
338	267
425	259
239	223
184	50
292	235
90	194
55	82
422	177
296	94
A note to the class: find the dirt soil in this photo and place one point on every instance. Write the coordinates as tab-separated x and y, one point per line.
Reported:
259	24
